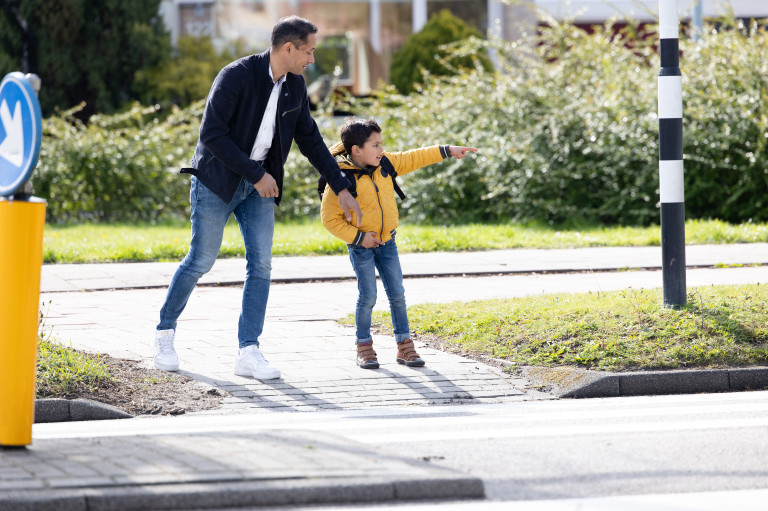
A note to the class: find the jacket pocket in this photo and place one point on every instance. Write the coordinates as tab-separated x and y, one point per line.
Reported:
290	111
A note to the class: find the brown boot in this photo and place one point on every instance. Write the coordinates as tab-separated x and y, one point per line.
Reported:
406	354
366	357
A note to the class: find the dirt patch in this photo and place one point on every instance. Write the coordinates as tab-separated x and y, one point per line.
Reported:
141	391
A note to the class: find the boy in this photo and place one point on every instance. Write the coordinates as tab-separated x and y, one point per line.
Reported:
372	245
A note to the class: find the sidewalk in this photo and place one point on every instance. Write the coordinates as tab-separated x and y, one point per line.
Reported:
112	308
78	277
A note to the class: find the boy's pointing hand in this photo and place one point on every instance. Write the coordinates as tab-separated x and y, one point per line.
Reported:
460	152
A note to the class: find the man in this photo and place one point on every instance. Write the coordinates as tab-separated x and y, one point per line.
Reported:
256	107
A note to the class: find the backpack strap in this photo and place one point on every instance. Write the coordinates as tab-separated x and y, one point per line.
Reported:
321	182
388	169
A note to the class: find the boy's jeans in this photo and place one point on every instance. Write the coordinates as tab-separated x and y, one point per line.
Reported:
256	217
366	261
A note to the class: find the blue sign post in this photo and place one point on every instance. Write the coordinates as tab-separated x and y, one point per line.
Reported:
22	219
21	132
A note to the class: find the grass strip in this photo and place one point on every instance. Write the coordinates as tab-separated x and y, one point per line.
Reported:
720	326
91	243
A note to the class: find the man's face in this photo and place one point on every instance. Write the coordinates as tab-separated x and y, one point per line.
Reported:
370	153
300	57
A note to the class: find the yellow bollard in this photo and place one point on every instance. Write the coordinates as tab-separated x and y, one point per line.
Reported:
21	260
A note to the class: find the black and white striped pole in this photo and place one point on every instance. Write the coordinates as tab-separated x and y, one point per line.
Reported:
671	159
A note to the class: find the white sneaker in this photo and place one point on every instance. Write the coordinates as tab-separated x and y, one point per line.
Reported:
164	355
250	362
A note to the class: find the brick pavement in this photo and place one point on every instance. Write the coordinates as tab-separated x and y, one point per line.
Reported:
213	470
314	352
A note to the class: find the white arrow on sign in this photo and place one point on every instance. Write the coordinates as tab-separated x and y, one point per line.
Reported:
12	147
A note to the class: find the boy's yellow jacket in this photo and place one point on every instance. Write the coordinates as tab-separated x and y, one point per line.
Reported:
375	194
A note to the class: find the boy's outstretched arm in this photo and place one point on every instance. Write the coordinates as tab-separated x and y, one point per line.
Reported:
459	152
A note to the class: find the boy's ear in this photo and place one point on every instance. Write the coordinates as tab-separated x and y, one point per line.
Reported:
356	149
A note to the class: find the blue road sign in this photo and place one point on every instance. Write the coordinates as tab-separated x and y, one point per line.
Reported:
21	132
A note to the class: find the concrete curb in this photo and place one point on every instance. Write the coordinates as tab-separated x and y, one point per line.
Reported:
62	410
561	382
219	495
569	382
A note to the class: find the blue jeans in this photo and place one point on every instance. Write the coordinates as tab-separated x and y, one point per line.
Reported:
386	260
256	217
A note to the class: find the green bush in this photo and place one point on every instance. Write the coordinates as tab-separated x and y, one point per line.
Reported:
422	51
125	167
725	93
567	130
562	135
188	74
118	168
568	133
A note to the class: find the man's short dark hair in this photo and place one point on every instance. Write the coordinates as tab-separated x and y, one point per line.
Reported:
356	132
292	29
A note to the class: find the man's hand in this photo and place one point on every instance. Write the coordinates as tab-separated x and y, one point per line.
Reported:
349	205
371	240
267	186
460	152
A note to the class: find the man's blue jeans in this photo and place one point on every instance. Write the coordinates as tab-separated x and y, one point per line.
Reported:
386	260
256	217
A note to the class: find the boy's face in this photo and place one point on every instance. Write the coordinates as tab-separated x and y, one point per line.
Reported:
370	153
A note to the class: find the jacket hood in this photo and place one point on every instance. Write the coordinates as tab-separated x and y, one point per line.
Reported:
338	151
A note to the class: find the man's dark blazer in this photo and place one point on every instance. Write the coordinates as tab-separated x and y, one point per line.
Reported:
231	120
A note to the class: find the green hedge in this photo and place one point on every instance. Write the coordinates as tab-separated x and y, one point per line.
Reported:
118	168
567	130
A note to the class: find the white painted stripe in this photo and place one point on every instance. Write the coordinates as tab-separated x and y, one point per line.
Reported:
668	19
560	431
671	184
743	500
521	420
368	432
670	97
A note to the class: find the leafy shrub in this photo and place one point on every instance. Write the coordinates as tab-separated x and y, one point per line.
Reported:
125	167
118	168
567	130
568	133
188	74
422	50
725	90
561	134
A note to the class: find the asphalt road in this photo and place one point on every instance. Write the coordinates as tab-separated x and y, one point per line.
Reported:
663	452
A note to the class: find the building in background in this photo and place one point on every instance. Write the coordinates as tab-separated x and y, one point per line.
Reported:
363	35
367	32
590	12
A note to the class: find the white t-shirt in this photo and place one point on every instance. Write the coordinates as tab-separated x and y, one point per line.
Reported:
267	129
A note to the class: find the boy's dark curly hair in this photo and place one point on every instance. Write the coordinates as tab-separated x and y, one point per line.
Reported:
356	132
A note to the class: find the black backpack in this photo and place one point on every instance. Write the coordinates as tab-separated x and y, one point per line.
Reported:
387	169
